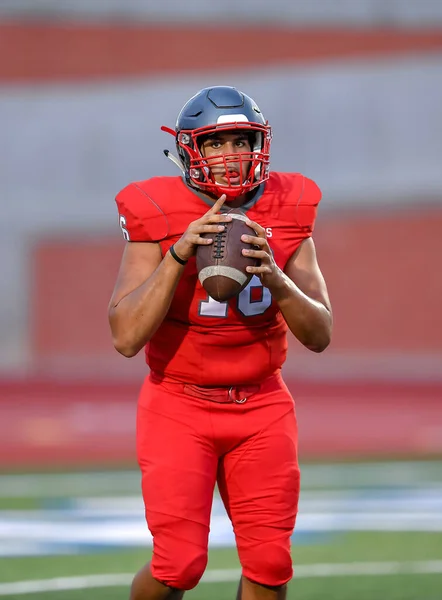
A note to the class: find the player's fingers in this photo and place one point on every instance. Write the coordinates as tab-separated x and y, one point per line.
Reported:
194	238
260	231
200	241
209	228
213	218
259	270
208	219
256	241
217	206
256	254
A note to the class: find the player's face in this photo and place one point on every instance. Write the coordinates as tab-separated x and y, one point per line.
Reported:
221	153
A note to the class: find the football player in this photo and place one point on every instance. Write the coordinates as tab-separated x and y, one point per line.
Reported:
214	408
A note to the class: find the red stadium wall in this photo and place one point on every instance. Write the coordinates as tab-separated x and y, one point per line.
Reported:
382	271
78	51
71	423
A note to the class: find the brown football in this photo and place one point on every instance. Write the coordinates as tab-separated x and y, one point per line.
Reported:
221	265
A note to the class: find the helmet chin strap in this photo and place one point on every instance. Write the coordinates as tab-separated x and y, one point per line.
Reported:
231	193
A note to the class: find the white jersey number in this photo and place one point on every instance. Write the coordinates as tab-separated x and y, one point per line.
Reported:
123	228
246	305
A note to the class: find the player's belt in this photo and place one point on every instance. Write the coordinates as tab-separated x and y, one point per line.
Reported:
224	394
237	394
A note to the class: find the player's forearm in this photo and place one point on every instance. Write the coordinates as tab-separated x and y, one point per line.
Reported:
137	316
309	320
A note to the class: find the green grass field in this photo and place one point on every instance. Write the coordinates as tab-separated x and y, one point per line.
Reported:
336	565
350	549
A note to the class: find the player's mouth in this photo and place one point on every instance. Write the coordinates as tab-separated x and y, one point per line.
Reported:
232	177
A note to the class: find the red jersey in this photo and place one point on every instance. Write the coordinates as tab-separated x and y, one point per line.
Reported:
202	341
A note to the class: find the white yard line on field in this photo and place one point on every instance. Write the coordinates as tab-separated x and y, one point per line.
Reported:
315	476
223	576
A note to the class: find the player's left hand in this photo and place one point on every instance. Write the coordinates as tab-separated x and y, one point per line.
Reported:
267	270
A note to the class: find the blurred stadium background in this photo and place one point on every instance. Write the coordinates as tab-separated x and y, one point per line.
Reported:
353	90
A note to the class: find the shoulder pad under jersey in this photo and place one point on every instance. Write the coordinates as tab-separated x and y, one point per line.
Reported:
141	218
307	203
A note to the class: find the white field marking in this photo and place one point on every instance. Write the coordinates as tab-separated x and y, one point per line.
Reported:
35	586
316	476
224	576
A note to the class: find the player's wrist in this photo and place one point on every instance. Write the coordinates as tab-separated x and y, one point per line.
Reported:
177	256
280	286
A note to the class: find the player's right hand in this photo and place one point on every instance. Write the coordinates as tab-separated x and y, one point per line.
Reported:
186	246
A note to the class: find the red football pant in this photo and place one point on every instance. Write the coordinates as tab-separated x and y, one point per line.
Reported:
186	444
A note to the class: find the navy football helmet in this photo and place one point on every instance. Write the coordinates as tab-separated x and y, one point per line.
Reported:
215	109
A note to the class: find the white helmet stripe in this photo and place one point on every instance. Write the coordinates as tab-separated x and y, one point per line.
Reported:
232	119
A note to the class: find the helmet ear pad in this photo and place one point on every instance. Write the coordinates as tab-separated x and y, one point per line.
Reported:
186	145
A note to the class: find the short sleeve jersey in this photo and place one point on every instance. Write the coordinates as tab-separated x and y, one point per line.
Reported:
202	341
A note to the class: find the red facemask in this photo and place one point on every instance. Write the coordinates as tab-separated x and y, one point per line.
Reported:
200	170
